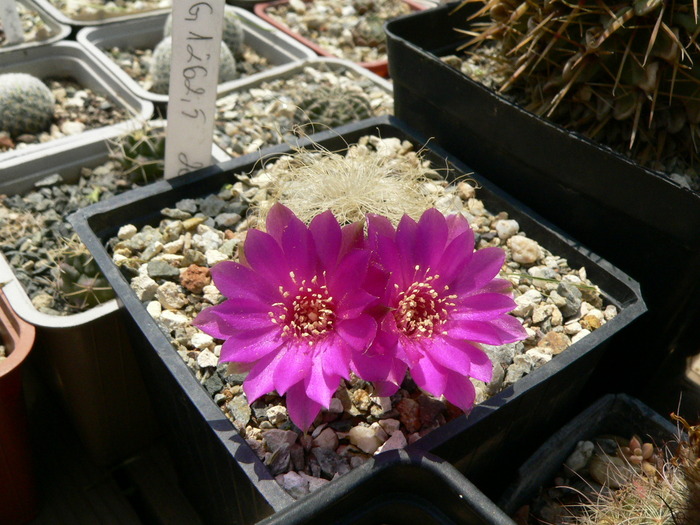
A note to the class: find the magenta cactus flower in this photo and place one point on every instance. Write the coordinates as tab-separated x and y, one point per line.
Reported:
295	311
442	299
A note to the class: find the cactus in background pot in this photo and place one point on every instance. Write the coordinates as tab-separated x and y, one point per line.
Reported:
233	34
332	107
78	279
26	104
140	154
160	65
622	73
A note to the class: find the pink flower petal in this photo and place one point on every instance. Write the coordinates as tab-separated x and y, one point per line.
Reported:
432	232
354	303
234	280
293	367
456	257
259	380
408	248
353	237
350	272
429	376
334	356
450	355
459	391
378	226
299	251
278	218
457	224
327	238
266	258
357	333
510	328
483	266
321	385
302	410
480	366
221	322
483	307
495	332
250	345
374	367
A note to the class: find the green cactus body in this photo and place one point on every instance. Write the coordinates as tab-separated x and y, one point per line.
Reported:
624	73
140	154
369	32
26	104
78	279
160	65
332	106
233	34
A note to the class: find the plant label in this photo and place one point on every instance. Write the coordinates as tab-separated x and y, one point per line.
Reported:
194	72
11	24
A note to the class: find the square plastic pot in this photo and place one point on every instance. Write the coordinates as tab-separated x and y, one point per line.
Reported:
69	59
18	503
56	30
612	414
380	67
98	20
87	356
220	470
638	219
147	32
396	487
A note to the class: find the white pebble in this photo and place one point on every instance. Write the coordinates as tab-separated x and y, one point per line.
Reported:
395	442
126	232
201	340
524	250
580	335
506	228
154	309
144	287
207	359
526	302
364	438
276	415
610	312
579	458
72	127
215	256
170	296
173	320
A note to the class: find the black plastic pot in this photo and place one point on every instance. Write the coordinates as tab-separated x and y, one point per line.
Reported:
222	473
396	488
616	414
637	219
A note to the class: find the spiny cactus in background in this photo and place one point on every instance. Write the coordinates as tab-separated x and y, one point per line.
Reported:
26	104
369	32
140	154
332	106
233	34
623	73
160	65
78	279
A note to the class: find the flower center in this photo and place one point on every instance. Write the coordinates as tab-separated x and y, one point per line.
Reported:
309	314
421	311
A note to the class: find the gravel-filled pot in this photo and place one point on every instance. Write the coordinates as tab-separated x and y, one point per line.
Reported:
396	487
219	468
82	13
86	356
640	220
328	26
39	27
611	415
68	60
271	45
18	503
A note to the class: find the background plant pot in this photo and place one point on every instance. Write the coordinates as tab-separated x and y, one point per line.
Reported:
380	67
147	32
69	59
55	30
244	4
77	22
18	503
616	414
396	487
86	356
640	220
223	474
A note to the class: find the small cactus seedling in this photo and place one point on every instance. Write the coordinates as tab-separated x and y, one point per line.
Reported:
623	73
78	279
140	154
332	106
160	65
26	104
233	34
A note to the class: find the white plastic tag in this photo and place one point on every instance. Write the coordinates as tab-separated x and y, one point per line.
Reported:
194	72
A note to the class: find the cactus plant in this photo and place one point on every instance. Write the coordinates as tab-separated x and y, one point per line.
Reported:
332	106
233	34
78	279
140	154
369	32
26	104
622	73
160	65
